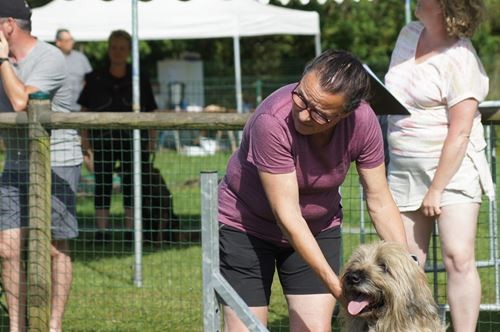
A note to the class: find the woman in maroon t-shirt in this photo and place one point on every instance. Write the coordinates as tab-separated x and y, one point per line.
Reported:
279	203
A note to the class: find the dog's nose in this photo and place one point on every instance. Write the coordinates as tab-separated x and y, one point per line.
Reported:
354	277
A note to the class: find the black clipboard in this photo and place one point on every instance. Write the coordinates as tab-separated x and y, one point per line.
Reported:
382	101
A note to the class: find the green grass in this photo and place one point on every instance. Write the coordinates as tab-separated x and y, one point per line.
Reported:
104	297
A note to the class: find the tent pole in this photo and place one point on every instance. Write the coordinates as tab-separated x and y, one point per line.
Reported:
136	107
237	74
407	11
317	43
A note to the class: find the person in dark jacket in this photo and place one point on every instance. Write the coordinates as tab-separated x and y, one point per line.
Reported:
110	90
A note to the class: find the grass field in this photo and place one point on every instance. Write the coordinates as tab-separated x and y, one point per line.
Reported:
104	297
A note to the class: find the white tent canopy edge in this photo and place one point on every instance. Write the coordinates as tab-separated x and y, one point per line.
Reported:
92	20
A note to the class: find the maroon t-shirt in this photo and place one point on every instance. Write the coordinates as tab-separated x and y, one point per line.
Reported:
270	143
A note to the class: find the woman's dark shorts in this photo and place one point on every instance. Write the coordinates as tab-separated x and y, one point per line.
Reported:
248	264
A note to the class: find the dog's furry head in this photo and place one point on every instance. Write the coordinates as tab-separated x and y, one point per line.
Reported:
385	290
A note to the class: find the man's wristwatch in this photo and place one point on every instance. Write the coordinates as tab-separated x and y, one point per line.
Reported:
2	60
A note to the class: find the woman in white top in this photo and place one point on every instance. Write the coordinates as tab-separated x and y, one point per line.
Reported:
438	169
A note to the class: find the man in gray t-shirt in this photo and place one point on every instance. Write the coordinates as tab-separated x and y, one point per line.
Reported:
28	65
77	65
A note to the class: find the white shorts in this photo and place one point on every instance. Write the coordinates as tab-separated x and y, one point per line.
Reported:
409	179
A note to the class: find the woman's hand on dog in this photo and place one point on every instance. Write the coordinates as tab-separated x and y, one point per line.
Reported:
342	300
336	290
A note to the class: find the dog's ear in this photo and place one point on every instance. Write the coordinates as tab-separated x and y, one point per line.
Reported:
423	301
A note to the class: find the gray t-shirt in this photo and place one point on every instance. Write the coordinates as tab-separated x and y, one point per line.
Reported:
78	65
44	68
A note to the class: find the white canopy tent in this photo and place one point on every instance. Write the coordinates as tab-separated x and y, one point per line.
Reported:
172	19
93	20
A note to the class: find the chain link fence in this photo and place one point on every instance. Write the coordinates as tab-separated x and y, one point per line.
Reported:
106	294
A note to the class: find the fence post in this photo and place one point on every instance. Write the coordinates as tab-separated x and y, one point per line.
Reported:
210	253
39	237
213	282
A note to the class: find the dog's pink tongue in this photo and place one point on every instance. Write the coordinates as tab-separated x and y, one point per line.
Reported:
355	307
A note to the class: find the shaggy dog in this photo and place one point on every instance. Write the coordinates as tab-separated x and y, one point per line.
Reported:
385	290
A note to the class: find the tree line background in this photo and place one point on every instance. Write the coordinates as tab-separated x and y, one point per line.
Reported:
367	28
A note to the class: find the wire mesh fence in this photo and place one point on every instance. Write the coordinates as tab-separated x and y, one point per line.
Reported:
104	296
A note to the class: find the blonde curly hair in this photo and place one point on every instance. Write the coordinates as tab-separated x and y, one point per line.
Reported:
462	17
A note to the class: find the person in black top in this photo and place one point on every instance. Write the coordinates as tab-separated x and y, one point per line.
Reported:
110	90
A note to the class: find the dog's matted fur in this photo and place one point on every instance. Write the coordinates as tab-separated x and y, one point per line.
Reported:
385	290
